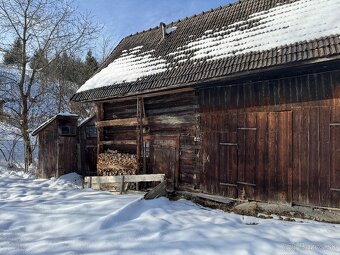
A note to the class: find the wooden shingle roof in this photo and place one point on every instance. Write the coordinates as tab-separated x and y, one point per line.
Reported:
245	36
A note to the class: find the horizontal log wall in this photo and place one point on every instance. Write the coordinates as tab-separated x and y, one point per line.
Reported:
300	169
174	114
119	126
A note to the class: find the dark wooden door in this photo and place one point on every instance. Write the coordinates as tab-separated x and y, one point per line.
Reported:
164	158
335	165
316	157
91	160
250	158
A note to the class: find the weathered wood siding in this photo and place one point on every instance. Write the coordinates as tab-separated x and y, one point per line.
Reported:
87	150
48	150
57	153
164	116
273	140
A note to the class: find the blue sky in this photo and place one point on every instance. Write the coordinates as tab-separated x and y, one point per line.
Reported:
124	17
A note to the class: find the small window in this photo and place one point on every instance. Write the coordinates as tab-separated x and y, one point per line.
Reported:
91	132
67	130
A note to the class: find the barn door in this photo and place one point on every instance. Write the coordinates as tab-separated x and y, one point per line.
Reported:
335	158
256	158
164	158
246	162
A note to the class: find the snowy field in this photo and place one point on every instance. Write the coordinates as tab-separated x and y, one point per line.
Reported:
58	217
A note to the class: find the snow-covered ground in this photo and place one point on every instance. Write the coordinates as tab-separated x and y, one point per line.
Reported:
58	217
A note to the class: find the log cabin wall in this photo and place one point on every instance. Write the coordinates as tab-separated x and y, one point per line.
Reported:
169	124
121	137
273	140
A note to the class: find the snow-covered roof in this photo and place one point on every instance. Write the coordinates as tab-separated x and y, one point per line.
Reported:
84	121
248	35
49	121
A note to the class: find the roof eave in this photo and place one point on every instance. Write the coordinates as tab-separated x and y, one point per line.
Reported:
226	78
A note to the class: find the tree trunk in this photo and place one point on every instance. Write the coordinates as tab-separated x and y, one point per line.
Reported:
25	134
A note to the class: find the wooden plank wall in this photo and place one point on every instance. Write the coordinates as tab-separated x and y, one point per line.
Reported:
120	134
88	150
176	114
48	151
165	115
299	169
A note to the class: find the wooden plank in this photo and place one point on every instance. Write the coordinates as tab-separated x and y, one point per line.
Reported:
305	157
117	122
119	142
283	157
297	152
250	153
272	153
261	147
127	178
324	156
100	131
158	191
335	159
290	156
223	155
314	174
241	140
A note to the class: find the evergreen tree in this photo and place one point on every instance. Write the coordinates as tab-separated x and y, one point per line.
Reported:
90	66
39	60
14	55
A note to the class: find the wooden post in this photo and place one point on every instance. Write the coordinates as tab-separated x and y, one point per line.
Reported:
140	115
100	130
122	185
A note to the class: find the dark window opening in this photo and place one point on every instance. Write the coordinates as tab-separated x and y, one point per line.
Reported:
67	130
91	132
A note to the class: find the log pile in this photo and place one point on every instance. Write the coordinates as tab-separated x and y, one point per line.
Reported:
113	163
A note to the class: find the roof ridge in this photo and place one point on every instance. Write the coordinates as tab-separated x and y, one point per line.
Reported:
192	16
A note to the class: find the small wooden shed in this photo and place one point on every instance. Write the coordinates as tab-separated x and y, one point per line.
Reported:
242	101
57	140
87	147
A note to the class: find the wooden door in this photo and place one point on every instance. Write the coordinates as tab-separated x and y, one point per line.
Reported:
91	160
164	158
335	165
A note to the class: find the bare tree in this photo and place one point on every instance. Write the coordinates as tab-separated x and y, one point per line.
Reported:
106	46
49	27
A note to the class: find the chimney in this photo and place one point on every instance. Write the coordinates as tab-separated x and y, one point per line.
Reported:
162	27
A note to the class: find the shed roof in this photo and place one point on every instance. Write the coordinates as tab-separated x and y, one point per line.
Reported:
49	121
245	36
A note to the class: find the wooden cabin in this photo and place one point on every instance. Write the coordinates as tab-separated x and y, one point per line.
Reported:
57	141
242	101
87	147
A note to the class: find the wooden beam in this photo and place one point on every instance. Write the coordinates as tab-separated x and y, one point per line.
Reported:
158	191
119	142
127	178
100	131
117	122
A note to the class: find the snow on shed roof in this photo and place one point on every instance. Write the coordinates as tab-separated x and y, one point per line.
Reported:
248	35
49	121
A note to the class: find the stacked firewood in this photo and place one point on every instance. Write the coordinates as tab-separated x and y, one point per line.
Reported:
113	163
